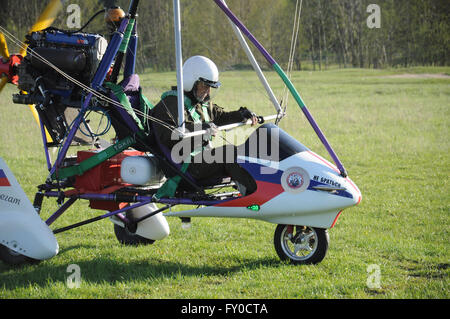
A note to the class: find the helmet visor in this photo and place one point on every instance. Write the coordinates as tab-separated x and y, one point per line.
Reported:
213	84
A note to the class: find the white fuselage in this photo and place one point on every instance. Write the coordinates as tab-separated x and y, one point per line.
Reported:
304	189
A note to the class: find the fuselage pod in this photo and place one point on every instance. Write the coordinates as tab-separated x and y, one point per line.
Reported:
21	228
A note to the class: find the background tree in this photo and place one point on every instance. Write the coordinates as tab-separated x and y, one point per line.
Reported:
332	32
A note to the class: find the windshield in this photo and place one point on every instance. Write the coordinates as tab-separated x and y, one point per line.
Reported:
269	142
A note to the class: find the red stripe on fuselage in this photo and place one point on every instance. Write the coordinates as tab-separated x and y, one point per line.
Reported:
335	219
265	191
324	161
4	182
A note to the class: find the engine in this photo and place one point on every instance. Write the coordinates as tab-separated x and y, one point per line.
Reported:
75	54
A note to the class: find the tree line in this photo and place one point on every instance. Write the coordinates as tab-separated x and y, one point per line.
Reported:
343	33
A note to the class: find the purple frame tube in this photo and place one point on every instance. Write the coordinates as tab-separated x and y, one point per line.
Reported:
117	212
245	31
69	203
60	211
130	60
147	199
71	200
100	217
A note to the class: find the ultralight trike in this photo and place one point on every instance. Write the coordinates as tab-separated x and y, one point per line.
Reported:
68	74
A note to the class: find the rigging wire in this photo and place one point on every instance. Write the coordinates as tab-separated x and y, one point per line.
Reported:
294	37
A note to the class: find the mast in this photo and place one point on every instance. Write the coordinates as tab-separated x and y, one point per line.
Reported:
179	63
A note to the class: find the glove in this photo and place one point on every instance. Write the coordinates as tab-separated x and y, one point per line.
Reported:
211	130
246	113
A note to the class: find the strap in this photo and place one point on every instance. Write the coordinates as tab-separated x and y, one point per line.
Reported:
205	112
144	102
195	116
118	92
126	36
145	106
80	168
169	188
190	108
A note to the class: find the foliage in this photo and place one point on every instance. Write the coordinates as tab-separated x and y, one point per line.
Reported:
332	32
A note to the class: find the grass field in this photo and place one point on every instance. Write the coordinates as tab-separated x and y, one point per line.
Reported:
391	131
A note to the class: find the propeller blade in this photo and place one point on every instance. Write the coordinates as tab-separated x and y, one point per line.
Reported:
35	113
45	19
3	82
47	16
36	117
3	47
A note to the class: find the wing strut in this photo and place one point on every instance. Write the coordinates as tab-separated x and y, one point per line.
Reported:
288	83
255	65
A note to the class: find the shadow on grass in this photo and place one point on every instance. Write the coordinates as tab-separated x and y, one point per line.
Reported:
107	270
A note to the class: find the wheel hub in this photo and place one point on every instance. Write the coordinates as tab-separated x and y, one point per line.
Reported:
300	245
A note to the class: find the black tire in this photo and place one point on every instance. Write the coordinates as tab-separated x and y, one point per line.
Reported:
125	237
306	245
10	257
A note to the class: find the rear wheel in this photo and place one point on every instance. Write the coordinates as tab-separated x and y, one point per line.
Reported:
301	244
126	237
10	257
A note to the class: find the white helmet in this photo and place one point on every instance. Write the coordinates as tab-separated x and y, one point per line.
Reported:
200	68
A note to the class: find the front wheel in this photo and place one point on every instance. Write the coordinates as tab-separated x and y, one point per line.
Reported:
301	244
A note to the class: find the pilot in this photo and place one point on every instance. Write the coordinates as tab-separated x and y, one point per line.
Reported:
200	76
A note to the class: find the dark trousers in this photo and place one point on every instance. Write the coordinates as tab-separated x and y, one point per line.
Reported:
219	163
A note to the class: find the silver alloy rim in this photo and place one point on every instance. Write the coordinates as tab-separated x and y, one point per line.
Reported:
301	248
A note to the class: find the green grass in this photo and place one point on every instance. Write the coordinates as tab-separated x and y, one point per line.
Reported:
390	133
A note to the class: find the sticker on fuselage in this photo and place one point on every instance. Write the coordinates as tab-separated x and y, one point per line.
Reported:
295	180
